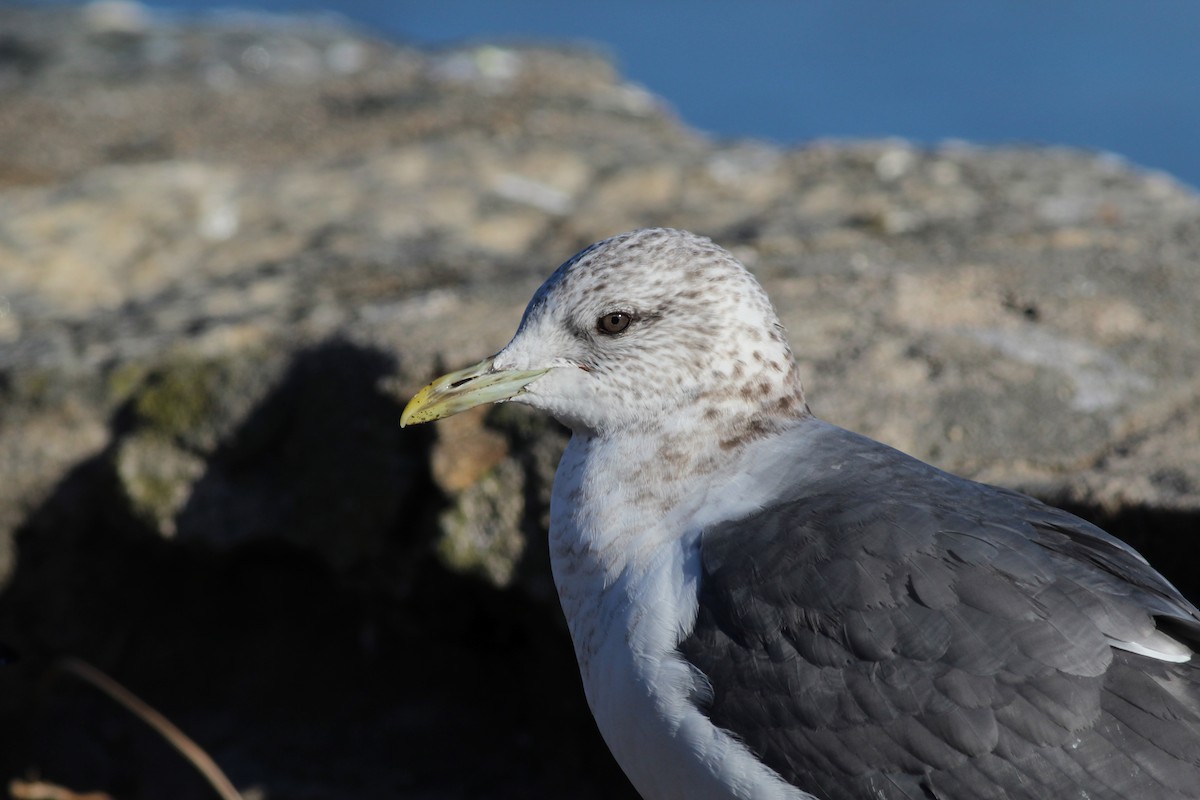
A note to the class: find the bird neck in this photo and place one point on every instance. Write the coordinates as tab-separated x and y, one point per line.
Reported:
628	507
641	480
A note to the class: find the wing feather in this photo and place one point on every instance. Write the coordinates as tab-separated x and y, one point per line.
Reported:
887	630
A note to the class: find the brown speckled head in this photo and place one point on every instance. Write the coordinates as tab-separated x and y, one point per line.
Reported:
688	328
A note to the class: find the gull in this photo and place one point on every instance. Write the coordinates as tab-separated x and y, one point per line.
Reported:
765	605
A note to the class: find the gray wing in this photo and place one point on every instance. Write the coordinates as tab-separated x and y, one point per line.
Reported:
893	631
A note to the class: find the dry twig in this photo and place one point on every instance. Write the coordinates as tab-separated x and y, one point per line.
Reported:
134	705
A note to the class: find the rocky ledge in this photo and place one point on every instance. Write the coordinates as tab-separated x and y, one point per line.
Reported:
230	248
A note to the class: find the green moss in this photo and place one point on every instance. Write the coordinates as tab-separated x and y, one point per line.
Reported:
180	398
123	380
156	478
153	496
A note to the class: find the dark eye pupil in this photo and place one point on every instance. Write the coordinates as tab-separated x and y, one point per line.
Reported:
614	322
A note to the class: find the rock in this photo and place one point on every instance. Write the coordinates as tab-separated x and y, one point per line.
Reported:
229	251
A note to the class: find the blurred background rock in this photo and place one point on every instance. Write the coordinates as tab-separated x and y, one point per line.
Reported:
230	248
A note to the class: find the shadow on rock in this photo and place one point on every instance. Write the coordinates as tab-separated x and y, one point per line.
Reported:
267	584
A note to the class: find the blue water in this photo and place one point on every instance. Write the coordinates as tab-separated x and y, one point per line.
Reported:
1115	75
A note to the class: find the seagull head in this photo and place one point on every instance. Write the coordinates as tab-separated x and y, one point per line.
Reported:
626	334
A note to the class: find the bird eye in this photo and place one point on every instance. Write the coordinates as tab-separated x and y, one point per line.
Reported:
613	322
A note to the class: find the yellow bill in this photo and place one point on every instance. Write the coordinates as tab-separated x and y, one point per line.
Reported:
466	388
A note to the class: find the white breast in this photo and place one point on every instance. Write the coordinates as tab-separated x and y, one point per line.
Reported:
627	570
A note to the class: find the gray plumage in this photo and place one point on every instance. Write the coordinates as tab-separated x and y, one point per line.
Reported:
888	630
